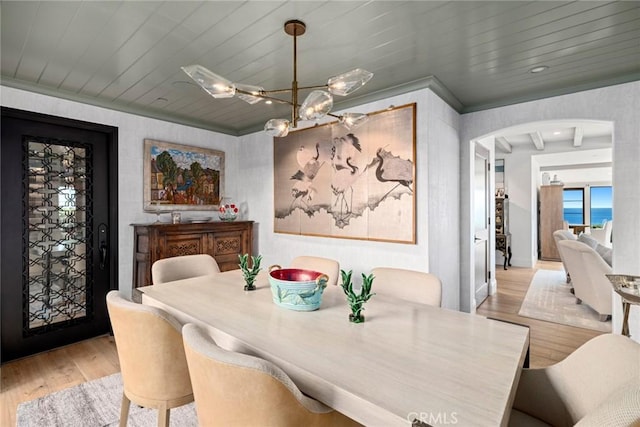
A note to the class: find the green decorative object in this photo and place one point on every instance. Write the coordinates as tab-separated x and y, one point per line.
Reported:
356	302
249	273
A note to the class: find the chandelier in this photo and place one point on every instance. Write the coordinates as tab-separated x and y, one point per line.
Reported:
316	105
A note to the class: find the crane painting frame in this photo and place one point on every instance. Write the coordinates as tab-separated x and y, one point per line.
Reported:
181	177
353	184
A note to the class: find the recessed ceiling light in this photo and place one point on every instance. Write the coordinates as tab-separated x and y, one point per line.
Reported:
538	69
557	132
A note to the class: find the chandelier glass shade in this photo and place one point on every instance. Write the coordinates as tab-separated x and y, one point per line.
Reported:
315	106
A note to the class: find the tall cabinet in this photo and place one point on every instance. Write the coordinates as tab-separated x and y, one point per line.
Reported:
503	237
550	217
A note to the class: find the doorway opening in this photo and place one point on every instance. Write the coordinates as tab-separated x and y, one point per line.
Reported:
575	144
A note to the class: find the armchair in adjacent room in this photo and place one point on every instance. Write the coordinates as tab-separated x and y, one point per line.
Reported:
564	235
588	270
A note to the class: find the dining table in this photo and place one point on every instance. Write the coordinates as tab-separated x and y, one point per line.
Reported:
406	364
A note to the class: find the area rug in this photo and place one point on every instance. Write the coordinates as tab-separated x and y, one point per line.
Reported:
94	403
549	298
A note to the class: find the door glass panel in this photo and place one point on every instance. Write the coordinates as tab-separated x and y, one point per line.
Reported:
58	242
480	193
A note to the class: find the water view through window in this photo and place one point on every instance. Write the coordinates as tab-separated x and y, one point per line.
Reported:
573	204
599	205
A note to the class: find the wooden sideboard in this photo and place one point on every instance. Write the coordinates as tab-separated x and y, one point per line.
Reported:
222	240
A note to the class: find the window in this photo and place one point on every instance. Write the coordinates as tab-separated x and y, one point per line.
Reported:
601	205
573	205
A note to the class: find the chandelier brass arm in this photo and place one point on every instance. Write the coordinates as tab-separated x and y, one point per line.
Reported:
316	105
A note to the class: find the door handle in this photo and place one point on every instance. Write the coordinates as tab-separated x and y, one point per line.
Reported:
103	247
103	255
475	239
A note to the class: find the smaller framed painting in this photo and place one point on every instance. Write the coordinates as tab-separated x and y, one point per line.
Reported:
181	177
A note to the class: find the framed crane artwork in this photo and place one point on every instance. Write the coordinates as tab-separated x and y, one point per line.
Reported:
355	184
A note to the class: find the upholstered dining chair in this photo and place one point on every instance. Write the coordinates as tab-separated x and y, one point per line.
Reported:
327	266
183	267
410	285
596	385
234	389
152	361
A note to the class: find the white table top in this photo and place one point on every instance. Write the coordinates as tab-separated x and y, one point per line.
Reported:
406	361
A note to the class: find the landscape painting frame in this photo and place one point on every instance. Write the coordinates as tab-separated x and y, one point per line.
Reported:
188	177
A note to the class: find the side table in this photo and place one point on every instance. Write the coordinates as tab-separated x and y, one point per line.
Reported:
628	287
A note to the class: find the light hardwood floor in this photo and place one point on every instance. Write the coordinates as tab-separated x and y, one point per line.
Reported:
32	377
38	375
549	342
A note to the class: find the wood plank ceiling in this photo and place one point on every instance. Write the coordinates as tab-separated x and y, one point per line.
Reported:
477	54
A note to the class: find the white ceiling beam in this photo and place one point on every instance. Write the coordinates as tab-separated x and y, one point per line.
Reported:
577	136
536	138
503	145
577	166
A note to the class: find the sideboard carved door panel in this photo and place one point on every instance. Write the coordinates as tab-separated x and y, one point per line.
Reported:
225	248
222	240
187	244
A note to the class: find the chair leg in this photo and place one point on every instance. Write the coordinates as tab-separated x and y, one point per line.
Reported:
163	416
124	410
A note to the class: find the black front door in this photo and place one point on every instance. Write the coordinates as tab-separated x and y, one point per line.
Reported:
59	231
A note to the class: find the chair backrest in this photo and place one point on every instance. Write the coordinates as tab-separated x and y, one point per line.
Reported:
231	388
416	286
559	235
151	353
608	228
327	266
564	235
564	393
183	267
588	271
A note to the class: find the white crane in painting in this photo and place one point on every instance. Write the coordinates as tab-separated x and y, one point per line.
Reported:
346	172
302	190
343	180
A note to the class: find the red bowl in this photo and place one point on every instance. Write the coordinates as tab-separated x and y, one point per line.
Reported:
295	275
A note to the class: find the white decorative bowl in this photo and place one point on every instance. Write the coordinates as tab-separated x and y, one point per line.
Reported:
297	289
